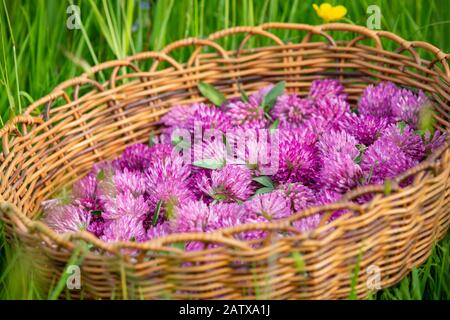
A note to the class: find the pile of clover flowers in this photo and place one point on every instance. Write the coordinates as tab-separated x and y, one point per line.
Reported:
324	149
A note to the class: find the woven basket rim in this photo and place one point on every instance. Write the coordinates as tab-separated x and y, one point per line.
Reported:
158	243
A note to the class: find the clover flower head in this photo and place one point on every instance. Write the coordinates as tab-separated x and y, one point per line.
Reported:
208	118
248	114
197	216
365	128
206	152
167	182
106	168
86	192
406	139
407	106
173	167
130	181
339	172
377	100
337	142
169	193
435	141
124	204
257	148
308	223
318	125
179	115
211	150
227	215
384	159
271	206
332	107
96	225
125	228
298	195
159	230
66	218
291	110
191	216
298	162
161	151
136	157
327	196
325	87
231	183
299	135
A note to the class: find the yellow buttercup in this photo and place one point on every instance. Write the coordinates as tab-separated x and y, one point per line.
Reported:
330	13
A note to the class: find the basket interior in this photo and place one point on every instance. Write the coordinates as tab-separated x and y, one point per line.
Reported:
86	121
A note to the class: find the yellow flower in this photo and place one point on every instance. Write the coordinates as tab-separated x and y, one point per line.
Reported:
329	13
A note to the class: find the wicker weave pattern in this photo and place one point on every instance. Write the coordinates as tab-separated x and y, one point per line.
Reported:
86	120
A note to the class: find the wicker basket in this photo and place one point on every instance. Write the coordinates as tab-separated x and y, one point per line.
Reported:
86	120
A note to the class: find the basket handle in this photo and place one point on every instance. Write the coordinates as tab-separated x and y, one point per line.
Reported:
11	127
187	43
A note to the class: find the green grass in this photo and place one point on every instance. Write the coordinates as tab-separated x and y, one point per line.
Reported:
38	51
431	281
